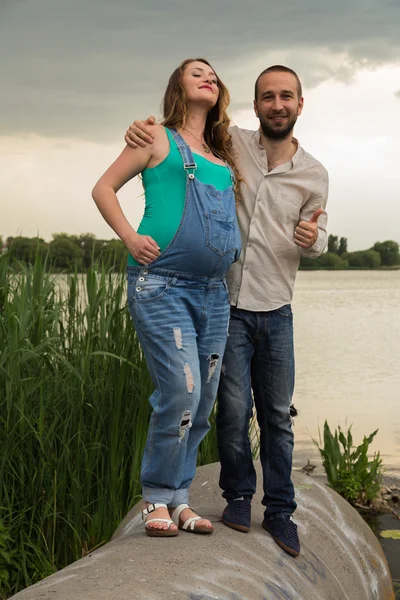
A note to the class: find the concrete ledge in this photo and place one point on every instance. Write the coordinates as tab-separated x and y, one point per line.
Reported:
341	558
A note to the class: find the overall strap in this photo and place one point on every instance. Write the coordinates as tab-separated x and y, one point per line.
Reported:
189	163
187	157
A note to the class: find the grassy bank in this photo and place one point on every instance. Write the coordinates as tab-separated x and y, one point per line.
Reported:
73	418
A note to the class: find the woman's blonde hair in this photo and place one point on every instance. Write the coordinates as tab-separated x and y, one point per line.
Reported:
174	110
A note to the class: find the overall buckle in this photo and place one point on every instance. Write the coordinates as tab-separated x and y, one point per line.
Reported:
191	166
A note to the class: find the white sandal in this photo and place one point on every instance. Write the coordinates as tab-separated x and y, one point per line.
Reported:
190	524
158	532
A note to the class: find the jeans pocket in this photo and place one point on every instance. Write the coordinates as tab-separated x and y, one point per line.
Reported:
220	232
148	287
285	311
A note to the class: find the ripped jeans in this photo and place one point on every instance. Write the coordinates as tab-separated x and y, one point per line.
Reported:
181	322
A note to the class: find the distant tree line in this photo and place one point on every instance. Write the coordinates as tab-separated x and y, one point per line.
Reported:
67	252
382	254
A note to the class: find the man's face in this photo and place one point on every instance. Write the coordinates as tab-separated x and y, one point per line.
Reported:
277	104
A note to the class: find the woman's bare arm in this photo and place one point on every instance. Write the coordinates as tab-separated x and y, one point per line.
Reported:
129	164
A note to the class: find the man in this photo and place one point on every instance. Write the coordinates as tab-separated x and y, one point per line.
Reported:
281	217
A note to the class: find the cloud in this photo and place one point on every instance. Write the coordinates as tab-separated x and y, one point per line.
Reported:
84	69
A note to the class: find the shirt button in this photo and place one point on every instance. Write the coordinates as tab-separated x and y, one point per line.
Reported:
145	272
249	245
246	267
138	289
141	278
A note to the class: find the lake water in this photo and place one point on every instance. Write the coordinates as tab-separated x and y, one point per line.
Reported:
347	344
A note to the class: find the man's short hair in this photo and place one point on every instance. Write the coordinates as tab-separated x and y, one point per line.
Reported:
279	69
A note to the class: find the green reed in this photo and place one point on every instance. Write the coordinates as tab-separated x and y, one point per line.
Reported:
74	414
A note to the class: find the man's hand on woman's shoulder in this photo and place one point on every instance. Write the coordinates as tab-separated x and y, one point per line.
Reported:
141	133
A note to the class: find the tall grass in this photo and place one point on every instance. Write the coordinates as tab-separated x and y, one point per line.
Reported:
74	413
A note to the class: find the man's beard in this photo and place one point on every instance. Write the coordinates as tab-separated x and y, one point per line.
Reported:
277	134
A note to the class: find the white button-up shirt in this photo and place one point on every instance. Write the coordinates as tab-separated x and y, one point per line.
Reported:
273	204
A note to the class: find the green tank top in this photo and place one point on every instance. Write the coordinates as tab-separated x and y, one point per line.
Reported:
164	190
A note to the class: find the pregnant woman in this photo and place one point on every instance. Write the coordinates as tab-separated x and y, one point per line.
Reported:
186	242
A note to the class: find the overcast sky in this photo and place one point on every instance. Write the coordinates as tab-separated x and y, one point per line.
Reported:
75	73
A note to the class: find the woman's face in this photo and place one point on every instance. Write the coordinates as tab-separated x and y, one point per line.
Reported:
200	83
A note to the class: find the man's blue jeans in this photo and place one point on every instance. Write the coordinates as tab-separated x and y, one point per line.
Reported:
259	356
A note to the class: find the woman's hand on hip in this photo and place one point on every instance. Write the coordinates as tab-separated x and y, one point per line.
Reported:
143	248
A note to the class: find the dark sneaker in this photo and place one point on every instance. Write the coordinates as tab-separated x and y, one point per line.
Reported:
284	531
238	514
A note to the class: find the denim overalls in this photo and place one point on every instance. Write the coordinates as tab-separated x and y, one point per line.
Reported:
180	309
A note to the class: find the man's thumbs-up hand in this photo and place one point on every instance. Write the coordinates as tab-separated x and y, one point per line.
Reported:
306	232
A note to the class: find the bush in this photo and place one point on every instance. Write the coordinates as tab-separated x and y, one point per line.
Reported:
64	254
349	470
23	249
389	252
367	259
328	260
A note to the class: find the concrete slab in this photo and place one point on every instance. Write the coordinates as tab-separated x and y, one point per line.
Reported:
341	559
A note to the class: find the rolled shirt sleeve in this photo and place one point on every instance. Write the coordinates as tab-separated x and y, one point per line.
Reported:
316	202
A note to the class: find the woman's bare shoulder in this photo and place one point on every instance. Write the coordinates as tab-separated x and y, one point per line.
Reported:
160	145
159	134
157	130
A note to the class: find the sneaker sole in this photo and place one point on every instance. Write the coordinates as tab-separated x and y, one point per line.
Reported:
241	528
290	551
